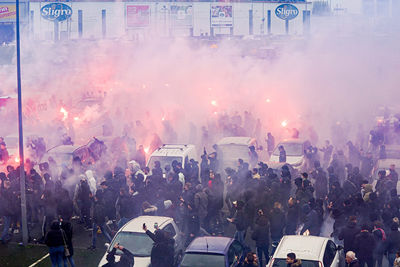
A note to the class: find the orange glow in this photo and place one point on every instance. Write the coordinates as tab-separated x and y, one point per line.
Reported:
16	159
76	118
268	100
146	150
284	123
214	103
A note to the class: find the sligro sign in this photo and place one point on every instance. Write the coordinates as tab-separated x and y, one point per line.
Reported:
56	12
286	11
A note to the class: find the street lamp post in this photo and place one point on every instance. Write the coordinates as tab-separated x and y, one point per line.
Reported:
21	137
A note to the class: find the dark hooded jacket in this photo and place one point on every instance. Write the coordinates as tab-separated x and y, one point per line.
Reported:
277	223
347	234
392	243
162	253
261	232
311	221
54	237
364	245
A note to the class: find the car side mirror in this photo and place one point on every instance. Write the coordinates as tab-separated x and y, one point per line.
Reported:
107	245
339	248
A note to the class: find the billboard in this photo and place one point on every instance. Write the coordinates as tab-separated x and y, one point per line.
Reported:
56	12
221	15
286	11
182	15
8	12
137	16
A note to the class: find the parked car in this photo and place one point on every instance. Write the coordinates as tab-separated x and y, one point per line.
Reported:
132	237
214	252
314	251
295	154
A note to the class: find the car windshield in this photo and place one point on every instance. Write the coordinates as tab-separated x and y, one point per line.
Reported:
139	244
292	149
203	259
304	263
164	160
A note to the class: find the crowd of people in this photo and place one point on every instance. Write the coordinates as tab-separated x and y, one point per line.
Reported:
205	199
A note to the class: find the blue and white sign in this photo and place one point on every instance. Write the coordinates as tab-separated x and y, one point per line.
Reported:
56	12
286	11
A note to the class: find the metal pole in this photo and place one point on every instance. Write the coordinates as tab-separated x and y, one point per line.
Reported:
21	137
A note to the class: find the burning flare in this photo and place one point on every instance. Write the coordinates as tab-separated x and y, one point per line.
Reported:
65	113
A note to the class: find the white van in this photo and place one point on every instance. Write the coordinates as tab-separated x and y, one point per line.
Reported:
313	251
167	153
230	149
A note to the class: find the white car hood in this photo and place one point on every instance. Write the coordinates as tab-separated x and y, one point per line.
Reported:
139	261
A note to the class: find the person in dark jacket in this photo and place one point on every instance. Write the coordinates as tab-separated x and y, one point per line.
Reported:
99	220
239	221
311	221
6	210
109	196
364	244
291	260
162	253
201	204
64	205
54	240
392	243
380	237
84	201
351	259
277	225
126	207
348	233
66	227
292	217
127	259
321	181
282	154
261	236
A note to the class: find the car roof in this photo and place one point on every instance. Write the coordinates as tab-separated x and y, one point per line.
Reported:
63	149
235	141
305	247
172	150
136	224
209	244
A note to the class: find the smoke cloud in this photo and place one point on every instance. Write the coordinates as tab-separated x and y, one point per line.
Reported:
338	76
